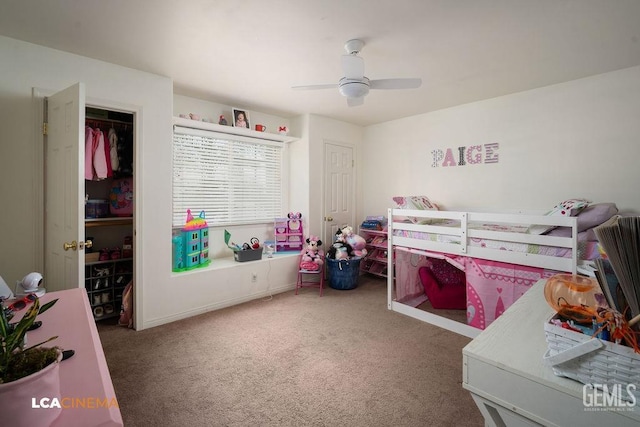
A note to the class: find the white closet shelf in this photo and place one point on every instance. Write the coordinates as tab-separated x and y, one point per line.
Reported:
100	222
231	130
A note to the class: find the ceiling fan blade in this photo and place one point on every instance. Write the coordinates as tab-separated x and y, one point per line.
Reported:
395	84
313	87
353	66
354	102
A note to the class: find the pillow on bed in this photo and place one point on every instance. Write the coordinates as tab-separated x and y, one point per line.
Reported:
415	202
570	207
590	217
594	215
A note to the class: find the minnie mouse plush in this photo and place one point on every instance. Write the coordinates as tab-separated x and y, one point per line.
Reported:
312	255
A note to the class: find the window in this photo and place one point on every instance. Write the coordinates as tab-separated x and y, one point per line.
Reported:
234	179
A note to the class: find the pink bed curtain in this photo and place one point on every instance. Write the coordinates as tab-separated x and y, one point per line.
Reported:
409	289
492	286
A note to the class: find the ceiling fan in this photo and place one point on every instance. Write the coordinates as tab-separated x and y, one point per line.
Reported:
354	85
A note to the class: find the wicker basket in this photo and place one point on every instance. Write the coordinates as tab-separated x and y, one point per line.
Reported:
591	360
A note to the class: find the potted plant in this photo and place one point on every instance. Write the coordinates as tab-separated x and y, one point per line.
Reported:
28	373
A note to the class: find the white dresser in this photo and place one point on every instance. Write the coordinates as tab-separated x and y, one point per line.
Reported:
504	371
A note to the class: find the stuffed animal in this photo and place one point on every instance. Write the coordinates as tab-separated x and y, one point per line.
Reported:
340	248
357	242
312	255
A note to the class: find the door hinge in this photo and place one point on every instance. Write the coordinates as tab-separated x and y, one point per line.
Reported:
353	162
45	128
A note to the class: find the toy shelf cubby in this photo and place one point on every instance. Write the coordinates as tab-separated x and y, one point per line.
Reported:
288	234
375	262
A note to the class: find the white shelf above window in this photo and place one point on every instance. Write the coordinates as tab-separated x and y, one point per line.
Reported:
231	130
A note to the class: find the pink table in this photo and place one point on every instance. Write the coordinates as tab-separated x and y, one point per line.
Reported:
84	378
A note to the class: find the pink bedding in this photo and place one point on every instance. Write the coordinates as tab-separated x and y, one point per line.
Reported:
587	250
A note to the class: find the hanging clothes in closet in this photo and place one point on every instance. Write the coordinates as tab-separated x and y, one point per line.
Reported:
108	153
113	149
125	151
97	162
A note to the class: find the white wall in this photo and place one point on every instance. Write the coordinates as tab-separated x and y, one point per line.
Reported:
162	296
576	139
25	66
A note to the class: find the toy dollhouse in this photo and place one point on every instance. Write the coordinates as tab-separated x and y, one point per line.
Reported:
191	244
289	233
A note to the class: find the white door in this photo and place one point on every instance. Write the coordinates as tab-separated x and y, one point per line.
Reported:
339	198
64	190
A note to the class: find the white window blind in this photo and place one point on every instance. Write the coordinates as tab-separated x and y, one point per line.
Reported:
234	179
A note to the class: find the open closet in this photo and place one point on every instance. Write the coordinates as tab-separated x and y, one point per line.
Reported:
109	199
78	232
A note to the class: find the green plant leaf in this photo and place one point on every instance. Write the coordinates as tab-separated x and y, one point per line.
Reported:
4	323
47	306
40	343
16	337
12	336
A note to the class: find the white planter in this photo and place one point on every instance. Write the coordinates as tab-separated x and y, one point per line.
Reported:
21	400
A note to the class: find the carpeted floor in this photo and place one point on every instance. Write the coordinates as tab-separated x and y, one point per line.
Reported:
339	360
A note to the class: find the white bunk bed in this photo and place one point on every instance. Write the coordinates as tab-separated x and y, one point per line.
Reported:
486	236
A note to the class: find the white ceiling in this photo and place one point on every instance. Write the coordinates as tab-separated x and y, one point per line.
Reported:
248	53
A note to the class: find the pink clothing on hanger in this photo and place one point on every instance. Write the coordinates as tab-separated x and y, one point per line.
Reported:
107	155
88	153
113	149
99	155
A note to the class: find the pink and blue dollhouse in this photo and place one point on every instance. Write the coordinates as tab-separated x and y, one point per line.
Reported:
191	244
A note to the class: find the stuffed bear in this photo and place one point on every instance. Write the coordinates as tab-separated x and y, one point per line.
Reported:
357	242
311	259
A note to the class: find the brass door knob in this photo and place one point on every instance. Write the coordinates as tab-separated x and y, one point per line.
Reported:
73	245
88	243
328	218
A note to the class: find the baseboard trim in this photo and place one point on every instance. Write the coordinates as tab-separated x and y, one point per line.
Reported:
217	306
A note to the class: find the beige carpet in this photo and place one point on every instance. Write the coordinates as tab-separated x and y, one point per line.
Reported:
339	360
457	315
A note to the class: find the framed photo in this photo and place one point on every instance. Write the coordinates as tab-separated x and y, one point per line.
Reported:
241	118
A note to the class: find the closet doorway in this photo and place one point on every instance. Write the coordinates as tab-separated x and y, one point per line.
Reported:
68	223
339	189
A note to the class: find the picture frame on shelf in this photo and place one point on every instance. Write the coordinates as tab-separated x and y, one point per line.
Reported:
241	118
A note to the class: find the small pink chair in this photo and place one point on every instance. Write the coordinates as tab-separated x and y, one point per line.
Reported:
304	276
444	285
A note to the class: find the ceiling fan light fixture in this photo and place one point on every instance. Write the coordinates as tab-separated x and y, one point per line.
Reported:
354	88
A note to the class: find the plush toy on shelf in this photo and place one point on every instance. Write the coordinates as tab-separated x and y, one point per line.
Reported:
311	259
